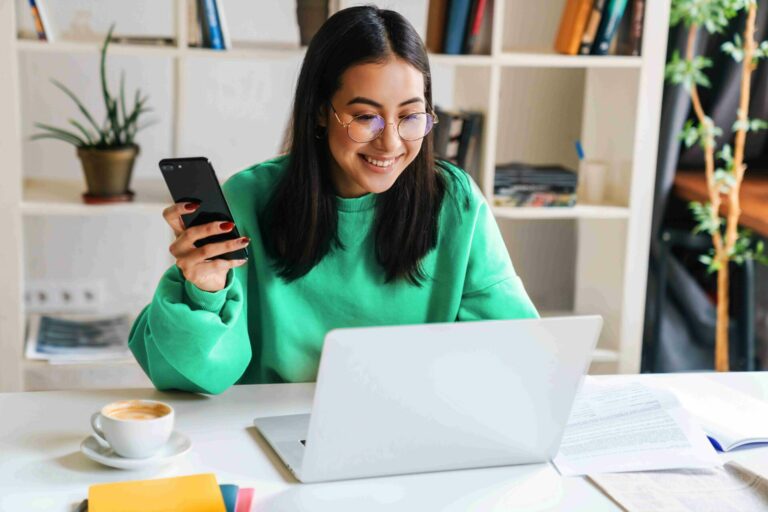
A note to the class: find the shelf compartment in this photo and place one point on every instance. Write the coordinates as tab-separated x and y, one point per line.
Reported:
63	197
550	59
565	212
42	376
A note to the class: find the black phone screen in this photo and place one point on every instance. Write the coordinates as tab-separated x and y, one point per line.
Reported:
193	179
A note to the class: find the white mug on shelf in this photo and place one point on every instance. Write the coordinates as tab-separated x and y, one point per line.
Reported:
593	175
135	429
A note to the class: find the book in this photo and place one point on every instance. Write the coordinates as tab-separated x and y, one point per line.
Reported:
40	16
572	23
209	23
436	25
635	38
475	22
609	22
456	25
223	27
590	31
482	42
244	500
469	155
447	134
229	494
192	493
194	35
731	419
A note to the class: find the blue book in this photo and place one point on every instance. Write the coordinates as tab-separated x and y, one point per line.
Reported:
609	23
456	26
229	493
211	27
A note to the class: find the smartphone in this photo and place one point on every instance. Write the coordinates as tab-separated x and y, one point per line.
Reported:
193	179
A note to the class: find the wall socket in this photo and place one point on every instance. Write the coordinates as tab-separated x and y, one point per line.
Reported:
63	296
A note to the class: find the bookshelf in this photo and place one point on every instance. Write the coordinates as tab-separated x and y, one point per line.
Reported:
591	258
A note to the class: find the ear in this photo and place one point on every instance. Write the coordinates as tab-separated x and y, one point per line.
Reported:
322	116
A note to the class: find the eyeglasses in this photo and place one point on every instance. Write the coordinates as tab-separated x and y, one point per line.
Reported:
368	127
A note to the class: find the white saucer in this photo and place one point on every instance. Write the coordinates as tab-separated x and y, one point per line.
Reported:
177	445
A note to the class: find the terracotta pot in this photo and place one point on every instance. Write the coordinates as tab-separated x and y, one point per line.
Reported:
108	173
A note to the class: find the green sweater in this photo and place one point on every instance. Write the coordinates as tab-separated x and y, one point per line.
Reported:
261	329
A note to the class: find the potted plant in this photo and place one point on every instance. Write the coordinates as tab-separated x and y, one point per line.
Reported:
107	151
723	182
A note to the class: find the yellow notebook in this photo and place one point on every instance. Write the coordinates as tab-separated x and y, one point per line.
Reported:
193	493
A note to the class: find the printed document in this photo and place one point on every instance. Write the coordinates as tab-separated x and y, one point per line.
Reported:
630	427
732	488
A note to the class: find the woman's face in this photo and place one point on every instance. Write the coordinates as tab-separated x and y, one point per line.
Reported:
392	89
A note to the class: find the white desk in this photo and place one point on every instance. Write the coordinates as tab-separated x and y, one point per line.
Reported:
41	467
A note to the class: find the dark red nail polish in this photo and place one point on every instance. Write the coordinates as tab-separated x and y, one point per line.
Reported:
245	240
191	206
226	226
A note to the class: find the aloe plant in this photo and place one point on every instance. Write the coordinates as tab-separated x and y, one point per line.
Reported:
120	125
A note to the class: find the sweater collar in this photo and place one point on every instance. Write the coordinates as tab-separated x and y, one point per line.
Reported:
356	204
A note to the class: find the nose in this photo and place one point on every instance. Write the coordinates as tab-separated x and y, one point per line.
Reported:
389	140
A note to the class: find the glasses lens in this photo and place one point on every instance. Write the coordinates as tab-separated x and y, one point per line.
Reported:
415	126
365	128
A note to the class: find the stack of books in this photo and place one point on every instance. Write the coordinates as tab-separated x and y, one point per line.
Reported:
457	139
191	492
520	184
78	338
458	27
601	27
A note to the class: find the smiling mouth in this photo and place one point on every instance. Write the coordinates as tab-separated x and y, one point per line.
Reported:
380	163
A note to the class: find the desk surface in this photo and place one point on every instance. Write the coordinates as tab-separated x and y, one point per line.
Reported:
691	186
41	467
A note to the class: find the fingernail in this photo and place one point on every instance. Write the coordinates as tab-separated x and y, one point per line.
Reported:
245	240
226	226
191	206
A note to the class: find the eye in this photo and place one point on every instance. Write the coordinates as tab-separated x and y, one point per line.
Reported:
412	116
366	117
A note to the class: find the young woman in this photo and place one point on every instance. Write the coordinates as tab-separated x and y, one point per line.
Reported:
357	225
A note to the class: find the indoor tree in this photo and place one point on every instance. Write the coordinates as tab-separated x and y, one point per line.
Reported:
729	243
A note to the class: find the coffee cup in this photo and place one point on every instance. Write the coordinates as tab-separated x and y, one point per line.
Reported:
135	429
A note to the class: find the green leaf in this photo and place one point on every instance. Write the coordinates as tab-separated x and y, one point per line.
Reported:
703	217
79	104
734	48
74	138
82	129
714	15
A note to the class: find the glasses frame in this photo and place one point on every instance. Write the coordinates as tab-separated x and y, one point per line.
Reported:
397	128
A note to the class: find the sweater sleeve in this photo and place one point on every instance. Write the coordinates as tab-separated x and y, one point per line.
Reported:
492	288
190	339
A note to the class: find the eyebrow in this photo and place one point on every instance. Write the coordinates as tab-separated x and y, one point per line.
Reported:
368	101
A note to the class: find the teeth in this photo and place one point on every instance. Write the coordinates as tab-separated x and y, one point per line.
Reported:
378	163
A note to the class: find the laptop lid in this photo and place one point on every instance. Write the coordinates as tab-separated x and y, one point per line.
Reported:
410	399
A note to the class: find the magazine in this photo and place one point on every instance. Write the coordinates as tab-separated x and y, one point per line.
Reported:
78	338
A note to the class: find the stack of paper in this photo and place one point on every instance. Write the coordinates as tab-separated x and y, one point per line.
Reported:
630	427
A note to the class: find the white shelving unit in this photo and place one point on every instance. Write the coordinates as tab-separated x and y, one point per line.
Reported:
536	102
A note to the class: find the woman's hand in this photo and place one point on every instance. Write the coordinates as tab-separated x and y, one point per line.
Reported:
195	262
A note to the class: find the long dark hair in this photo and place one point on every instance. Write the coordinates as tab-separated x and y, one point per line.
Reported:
299	225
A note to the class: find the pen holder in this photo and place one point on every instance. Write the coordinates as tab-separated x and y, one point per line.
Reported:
592	177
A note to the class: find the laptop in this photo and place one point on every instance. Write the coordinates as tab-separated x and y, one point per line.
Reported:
434	397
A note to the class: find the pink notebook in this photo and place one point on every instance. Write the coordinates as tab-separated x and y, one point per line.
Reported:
244	499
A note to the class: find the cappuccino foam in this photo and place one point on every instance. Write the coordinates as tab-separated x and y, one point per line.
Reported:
136	410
